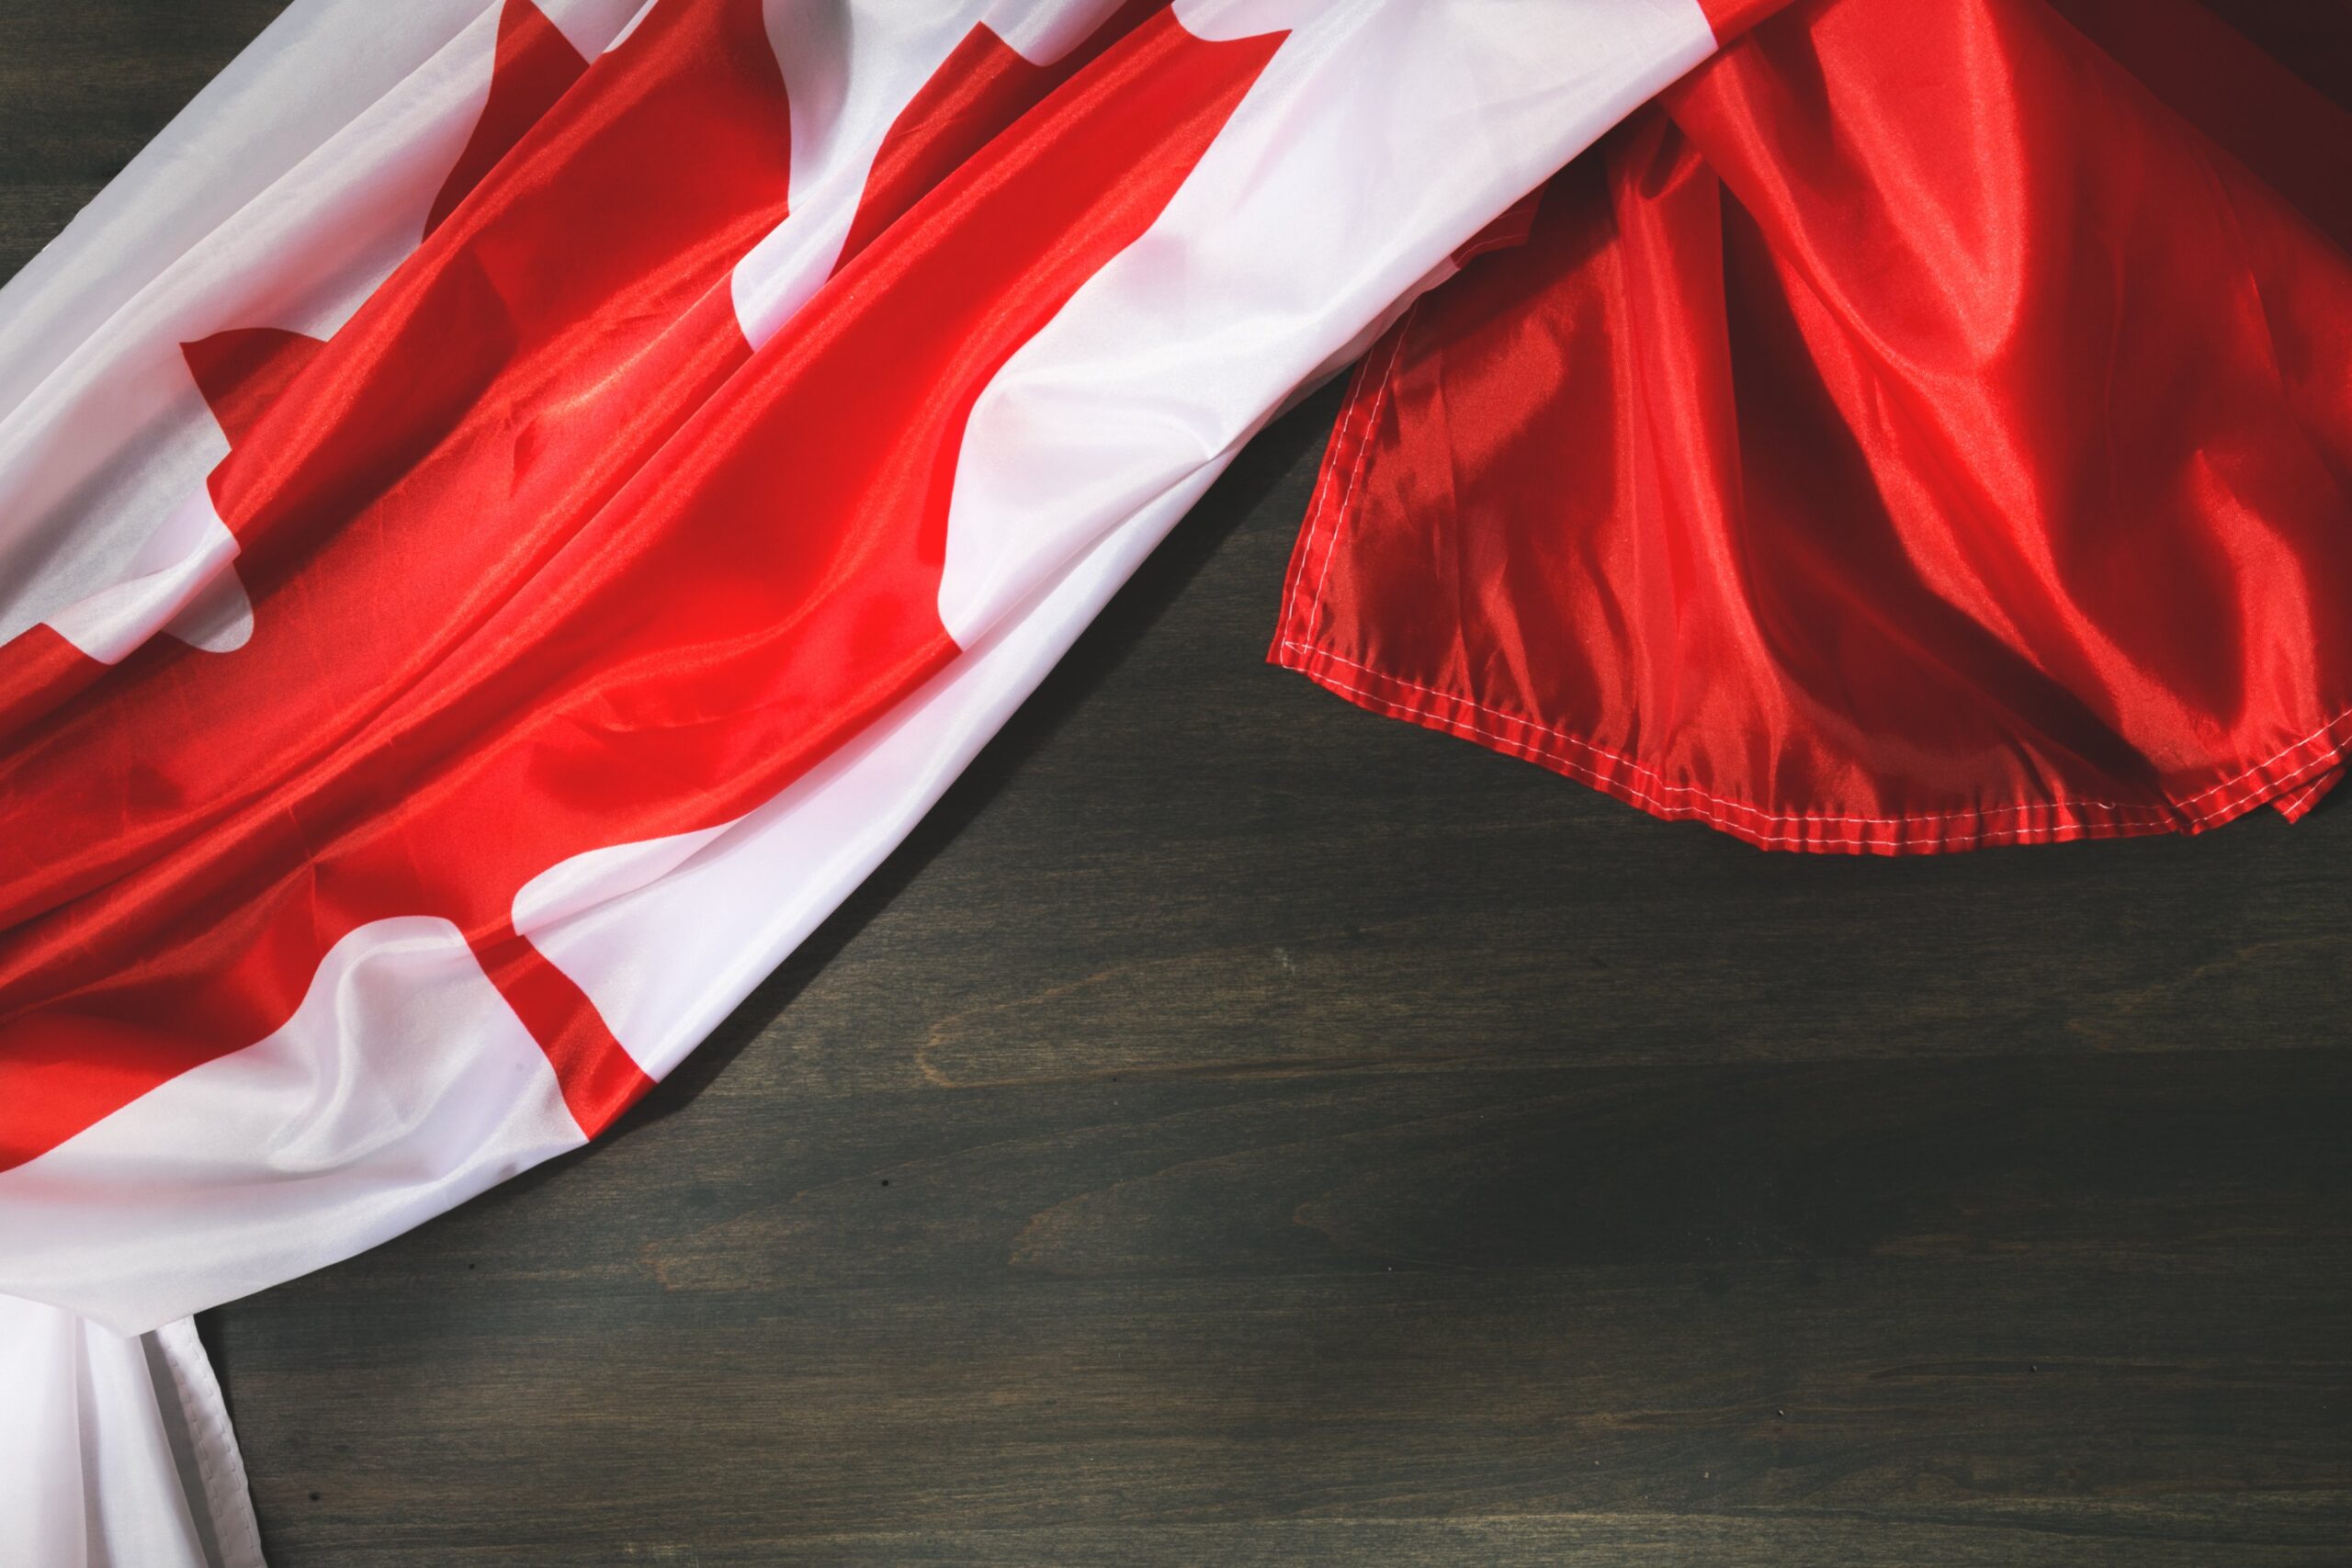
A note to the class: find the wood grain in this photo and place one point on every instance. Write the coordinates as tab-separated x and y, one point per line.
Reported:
1236	1129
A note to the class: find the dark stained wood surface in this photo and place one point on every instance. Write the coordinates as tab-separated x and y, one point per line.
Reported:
1236	1129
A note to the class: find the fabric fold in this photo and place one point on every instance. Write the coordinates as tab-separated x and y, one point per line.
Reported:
566	522
1919	429
116	1449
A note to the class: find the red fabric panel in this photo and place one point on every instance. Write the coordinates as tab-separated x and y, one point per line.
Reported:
535	65
1911	433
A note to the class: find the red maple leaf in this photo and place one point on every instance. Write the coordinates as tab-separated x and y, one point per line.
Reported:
542	557
242	370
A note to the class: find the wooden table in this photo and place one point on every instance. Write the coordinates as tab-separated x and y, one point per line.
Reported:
1236	1129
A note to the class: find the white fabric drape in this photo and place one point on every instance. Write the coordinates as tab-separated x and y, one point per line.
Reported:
115	1452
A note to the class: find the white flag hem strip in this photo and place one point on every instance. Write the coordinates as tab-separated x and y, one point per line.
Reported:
116	1449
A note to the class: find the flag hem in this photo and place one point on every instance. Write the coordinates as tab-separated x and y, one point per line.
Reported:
2293	778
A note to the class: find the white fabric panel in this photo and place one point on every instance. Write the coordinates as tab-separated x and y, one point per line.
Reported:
849	67
1042	34
402	1086
298	84
1380	137
115	1452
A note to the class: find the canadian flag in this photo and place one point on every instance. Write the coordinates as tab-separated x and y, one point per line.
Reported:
508	511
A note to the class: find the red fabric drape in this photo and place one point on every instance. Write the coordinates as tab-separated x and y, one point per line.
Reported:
1926	426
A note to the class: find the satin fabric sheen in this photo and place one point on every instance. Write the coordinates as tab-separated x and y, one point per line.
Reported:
1924	427
747	396
184	835
589	555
